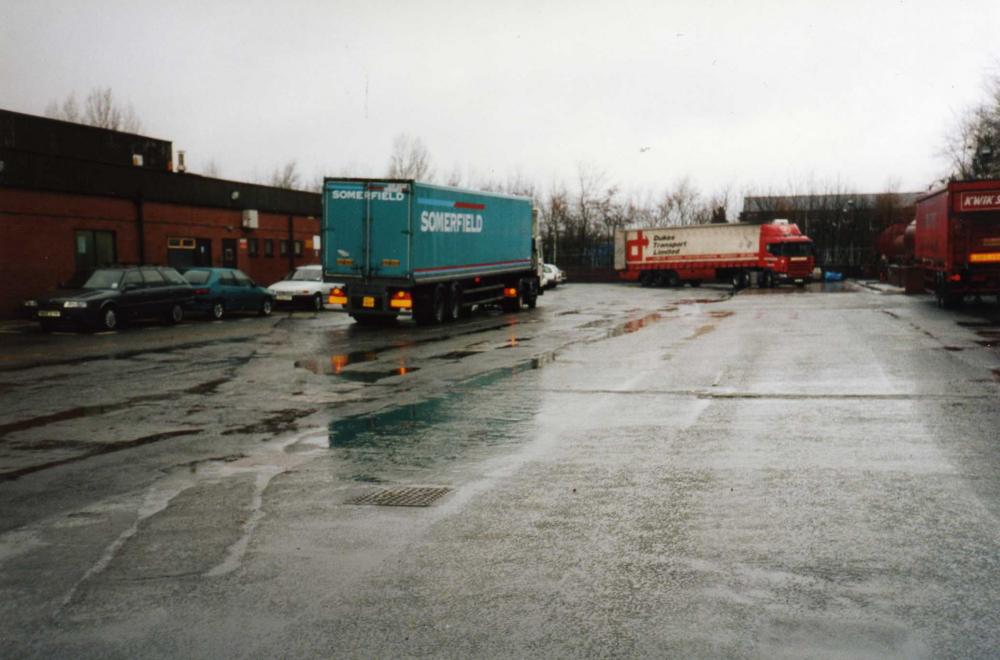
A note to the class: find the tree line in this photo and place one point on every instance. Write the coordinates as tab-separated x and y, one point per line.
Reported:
579	217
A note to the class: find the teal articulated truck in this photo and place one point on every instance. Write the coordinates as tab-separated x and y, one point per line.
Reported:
404	248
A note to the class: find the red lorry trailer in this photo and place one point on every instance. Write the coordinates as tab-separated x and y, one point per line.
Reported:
735	253
957	242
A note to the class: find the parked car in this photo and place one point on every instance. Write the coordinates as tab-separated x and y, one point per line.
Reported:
552	276
105	297
221	291
303	287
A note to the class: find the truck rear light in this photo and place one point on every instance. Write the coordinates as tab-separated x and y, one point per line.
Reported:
955	278
984	257
201	292
510	292
337	296
401	300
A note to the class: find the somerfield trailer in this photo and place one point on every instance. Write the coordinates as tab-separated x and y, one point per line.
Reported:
407	248
957	240
736	253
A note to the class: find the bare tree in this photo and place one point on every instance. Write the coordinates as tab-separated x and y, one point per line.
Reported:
212	169
286	176
972	148
410	159
68	110
100	109
681	205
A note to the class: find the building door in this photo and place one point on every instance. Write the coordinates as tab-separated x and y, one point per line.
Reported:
203	252
229	253
94	249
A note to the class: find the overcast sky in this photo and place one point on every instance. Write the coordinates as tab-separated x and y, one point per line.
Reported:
743	93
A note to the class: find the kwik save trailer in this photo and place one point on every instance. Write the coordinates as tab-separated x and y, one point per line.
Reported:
737	253
957	240
401	247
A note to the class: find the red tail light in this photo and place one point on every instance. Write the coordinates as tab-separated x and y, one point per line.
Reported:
201	292
401	300
510	292
337	296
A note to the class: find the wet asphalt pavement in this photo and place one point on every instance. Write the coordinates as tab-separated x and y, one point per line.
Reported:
620	472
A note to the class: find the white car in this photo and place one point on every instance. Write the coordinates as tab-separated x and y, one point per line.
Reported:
303	287
552	276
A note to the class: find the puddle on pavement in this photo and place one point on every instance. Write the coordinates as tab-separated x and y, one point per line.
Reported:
337	362
128	355
472	417
812	287
702	301
375	376
97	450
91	411
455	355
954	349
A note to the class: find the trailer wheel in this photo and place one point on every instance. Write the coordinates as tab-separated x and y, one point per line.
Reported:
454	307
739	280
439	304
945	298
531	299
658	279
766	279
673	281
644	279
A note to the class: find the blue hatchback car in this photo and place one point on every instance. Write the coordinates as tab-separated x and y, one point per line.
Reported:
221	291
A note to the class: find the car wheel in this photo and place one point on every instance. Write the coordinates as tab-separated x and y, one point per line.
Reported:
318	302
109	318
218	310
265	307
176	314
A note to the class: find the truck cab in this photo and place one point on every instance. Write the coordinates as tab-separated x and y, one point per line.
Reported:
788	256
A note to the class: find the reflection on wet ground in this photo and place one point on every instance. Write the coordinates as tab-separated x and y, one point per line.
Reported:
472	417
845	286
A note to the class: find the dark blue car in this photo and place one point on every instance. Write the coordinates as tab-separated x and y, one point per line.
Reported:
221	291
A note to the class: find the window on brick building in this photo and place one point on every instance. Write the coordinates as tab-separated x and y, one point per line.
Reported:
268	247
252	247
297	246
283	248
94	249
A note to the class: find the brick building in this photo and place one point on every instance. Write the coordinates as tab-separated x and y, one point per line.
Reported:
73	197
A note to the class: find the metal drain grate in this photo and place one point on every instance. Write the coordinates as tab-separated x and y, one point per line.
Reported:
405	496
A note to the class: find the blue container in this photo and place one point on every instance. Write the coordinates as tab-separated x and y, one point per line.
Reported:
418	232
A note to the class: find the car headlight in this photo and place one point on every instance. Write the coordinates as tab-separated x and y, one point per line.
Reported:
31	303
70	304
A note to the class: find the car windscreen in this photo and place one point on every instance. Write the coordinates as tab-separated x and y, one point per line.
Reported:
307	275
197	276
103	278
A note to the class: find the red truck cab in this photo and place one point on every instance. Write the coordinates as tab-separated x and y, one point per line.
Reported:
957	242
785	252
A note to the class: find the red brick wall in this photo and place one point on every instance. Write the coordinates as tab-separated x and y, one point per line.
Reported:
37	237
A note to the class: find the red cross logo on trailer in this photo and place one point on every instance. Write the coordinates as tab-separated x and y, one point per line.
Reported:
633	248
